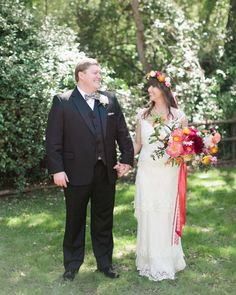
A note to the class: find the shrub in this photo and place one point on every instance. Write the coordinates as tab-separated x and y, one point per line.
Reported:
36	60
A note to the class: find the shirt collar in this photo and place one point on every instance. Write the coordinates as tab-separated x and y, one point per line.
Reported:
81	91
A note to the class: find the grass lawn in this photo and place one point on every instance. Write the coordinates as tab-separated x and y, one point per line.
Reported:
31	233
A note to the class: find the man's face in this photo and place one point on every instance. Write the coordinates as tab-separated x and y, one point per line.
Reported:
90	79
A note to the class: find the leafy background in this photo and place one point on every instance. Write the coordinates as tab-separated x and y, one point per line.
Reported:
41	41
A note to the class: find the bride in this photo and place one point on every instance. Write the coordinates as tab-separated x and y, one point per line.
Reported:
159	253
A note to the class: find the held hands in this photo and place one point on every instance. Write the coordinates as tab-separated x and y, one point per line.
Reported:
122	169
60	179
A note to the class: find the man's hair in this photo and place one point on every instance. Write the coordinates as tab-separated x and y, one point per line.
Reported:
83	65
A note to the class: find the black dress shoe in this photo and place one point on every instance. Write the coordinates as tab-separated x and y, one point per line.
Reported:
69	274
109	272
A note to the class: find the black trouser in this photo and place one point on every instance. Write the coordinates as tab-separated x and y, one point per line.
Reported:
102	195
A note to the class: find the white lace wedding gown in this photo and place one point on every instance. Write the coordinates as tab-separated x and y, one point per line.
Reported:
157	257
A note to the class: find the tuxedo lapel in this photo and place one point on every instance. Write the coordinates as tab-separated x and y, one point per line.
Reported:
83	108
103	115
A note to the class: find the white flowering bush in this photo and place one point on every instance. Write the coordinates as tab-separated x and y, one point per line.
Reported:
173	45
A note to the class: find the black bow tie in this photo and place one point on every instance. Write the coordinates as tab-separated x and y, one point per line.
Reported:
94	95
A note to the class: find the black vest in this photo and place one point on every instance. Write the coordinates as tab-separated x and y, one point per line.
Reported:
100	148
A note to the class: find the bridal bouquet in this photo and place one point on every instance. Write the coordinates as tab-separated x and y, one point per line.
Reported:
187	146
195	147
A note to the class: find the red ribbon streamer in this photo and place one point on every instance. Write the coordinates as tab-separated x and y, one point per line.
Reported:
182	186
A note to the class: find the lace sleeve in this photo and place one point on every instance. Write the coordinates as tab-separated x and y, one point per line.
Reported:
139	115
183	119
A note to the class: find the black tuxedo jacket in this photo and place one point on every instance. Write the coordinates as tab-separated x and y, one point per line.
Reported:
70	137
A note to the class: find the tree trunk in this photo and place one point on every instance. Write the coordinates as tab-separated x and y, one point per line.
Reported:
140	35
230	47
46	7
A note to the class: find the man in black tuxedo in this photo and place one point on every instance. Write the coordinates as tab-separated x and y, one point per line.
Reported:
83	128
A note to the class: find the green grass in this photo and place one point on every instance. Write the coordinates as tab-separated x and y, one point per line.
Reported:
31	233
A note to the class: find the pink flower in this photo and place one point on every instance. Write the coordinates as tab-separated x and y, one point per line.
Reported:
177	135
216	137
167	84
174	149
213	160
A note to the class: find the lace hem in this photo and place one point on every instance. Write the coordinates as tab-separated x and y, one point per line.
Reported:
158	276
163	269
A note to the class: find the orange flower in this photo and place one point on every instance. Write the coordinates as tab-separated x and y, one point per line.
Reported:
161	78
214	149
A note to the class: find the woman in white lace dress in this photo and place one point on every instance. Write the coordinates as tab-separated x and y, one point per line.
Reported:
157	256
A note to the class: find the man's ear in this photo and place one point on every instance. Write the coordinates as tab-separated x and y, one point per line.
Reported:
81	76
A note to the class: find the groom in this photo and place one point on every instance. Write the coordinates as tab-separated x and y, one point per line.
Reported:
83	128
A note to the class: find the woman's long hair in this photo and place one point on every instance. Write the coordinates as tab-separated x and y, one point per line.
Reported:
167	95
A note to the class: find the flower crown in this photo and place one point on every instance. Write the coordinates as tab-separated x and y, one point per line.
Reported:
160	77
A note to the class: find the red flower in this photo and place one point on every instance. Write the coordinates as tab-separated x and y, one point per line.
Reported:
193	131
189	149
198	143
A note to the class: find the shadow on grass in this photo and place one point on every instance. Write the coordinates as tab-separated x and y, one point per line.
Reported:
32	230
209	236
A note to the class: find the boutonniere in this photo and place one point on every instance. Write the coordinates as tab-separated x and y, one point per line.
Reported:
103	100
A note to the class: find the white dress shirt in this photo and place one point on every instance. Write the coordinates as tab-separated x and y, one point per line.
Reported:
90	102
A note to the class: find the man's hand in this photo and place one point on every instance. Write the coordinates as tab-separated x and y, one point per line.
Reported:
122	169
60	179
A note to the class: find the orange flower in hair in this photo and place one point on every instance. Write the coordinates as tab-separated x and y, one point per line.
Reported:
160	77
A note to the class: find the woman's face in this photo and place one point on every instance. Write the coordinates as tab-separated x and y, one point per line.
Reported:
155	94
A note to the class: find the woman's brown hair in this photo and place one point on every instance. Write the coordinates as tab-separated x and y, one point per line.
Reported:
167	94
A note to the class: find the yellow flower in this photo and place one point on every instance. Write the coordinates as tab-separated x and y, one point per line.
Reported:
186	130
187	158
152	73
206	160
